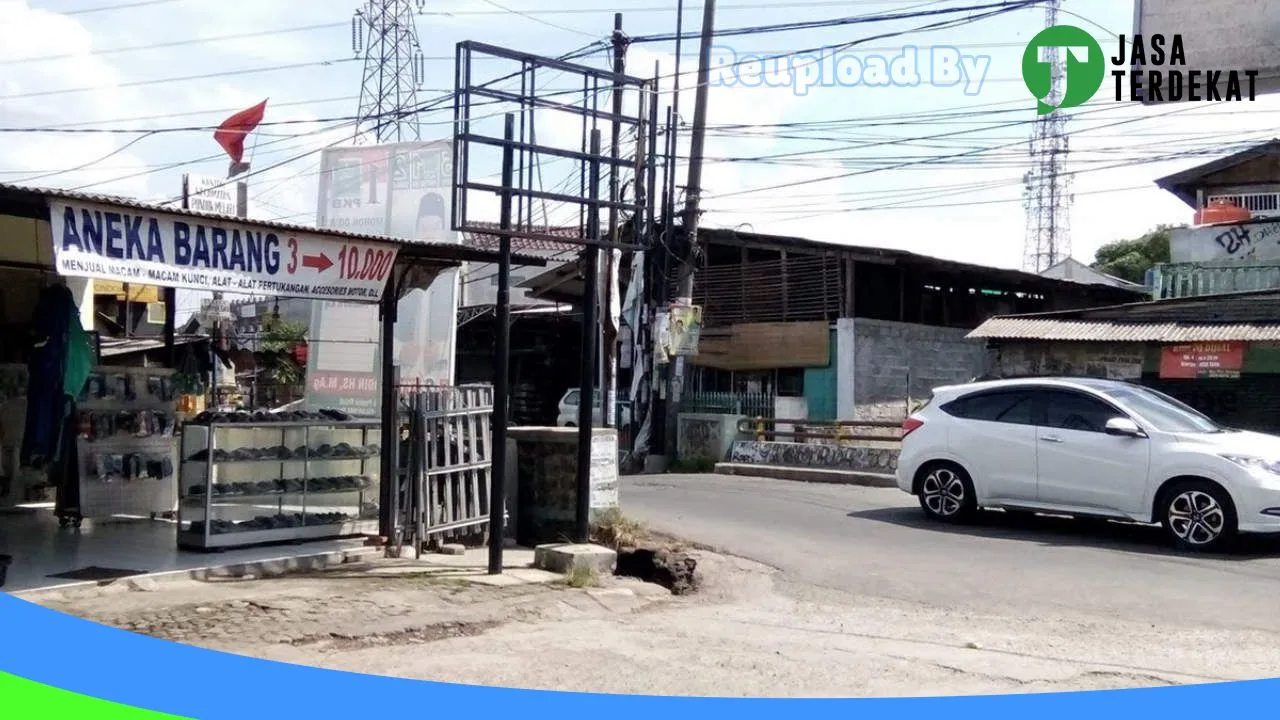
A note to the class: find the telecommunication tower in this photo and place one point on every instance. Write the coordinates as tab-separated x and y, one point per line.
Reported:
1046	196
383	32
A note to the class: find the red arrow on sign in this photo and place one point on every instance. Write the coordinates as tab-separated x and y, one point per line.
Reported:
320	262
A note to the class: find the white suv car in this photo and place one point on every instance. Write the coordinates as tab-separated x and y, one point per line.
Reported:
1089	448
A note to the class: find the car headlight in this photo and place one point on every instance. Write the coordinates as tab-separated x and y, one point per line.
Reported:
1255	463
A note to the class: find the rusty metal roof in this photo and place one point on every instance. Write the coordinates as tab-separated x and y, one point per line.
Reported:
1031	328
36	200
539	246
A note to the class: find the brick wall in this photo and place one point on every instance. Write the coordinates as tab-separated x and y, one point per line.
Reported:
895	361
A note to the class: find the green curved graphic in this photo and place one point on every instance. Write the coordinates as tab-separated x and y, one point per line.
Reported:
22	699
1084	69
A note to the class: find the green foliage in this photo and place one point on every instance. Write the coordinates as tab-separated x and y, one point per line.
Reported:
1130	259
279	339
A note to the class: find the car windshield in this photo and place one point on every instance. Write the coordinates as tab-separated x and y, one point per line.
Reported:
1163	412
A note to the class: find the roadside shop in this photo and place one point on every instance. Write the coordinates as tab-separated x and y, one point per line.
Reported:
99	476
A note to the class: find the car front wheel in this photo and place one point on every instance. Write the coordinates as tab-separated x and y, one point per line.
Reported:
946	493
1198	516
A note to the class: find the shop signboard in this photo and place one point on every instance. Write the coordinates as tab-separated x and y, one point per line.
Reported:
136	294
1202	360
401	190
212	195
235	256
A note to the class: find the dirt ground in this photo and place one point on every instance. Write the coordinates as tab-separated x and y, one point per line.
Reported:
748	632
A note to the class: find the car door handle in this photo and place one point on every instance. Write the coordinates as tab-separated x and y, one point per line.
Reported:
1051	438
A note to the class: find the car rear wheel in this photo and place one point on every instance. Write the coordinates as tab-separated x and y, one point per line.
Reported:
1198	516
946	493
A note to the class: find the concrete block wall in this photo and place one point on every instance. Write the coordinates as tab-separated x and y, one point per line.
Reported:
893	361
1118	361
705	437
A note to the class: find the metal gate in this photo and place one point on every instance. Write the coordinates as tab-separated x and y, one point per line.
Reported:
445	461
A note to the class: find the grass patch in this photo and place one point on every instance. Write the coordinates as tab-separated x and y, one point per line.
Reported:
693	466
581	576
615	530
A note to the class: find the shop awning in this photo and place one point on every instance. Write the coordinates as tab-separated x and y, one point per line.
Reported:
112	237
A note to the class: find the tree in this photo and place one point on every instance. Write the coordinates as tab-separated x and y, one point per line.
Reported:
279	340
1130	259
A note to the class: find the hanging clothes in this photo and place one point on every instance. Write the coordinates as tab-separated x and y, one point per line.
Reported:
58	368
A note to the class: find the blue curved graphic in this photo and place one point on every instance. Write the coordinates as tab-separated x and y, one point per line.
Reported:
68	653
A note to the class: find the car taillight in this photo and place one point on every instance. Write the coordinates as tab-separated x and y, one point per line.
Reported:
910	425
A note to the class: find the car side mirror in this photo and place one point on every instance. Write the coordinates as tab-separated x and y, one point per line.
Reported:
1124	427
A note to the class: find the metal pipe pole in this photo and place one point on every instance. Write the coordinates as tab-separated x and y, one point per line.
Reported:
389	487
502	343
590	256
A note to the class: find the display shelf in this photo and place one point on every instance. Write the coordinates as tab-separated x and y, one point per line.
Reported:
317	480
125	444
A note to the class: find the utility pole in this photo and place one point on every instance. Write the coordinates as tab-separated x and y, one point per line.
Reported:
608	347
693	193
693	190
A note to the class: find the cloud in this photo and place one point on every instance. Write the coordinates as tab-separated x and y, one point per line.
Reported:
31	33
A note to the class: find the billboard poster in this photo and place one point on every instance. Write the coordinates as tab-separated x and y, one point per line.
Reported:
400	190
1202	360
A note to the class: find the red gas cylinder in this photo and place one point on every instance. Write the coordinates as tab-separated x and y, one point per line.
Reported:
1222	210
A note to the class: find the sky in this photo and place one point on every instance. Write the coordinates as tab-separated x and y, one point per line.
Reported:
929	168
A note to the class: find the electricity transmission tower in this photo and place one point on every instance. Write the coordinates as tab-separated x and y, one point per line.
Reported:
1046	196
383	32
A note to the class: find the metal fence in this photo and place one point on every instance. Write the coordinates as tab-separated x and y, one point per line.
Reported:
729	403
446	457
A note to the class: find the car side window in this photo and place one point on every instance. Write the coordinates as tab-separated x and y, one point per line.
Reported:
572	398
1074	411
1006	407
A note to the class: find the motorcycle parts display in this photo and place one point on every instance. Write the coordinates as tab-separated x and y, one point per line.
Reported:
124	388
287	486
209	417
95	387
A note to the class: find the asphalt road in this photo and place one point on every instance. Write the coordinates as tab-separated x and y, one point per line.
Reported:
876	543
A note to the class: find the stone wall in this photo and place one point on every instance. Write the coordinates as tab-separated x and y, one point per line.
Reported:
1119	361
825	456
895	361
546	472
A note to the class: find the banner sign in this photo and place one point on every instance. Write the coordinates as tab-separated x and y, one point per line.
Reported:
158	248
1202	360
401	190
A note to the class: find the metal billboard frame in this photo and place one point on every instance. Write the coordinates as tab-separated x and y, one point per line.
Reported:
586	103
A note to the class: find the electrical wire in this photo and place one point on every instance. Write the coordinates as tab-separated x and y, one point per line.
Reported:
540	21
1008	5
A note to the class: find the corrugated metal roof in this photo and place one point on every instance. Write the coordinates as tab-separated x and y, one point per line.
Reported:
116	346
1032	328
23	193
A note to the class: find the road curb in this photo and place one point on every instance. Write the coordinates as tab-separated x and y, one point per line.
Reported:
812	475
272	567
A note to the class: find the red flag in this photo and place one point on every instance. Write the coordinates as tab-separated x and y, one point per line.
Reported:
232	132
